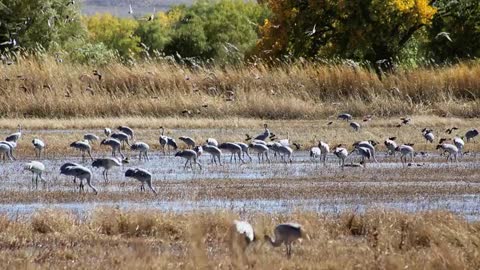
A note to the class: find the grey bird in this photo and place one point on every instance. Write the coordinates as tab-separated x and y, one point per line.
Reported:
143	176
287	234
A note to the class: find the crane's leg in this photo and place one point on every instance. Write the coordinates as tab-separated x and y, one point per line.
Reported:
185	167
266	154
199	165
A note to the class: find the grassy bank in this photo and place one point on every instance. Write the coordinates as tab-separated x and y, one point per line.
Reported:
299	91
111	238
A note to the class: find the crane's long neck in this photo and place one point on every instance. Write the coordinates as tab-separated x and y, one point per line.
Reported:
272	242
163	130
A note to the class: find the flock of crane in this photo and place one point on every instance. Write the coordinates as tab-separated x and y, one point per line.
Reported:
238	150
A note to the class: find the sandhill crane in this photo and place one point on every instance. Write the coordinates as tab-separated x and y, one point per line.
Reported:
127	130
212	141
115	145
121	137
261	150
315	152
6	151
451	149
245	148
12	145
80	172
345	116
83	147
428	135
14	137
199	150
391	145
107	132
37	168
90	137
143	176
106	164
166	141
189	155
142	148
286	234
38	146
234	149
285	153
243	233
471	134
459	143
325	149
341	153
405	150
274	147
64	169
367	144
214	151
364	152
284	142
264	135
188	141
355	126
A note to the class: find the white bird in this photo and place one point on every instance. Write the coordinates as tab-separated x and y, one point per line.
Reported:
261	150
341	153
355	126
38	146
189	155
364	152
315	152
90	137
212	141
471	134
391	145
245	231
115	145
324	149
37	168
285	153
188	141
143	176
14	137
286	234
107	132
106	164
459	143
284	142
214	151
405	150
130	9
444	35
83	147
345	116
142	148
451	149
312	32
234	149
428	135
6	151
81	173
367	144
167	142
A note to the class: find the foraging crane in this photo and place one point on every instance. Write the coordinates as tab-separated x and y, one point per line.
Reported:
428	135
345	116
355	126
142	148
83	147
367	144
107	132
405	150
214	151
128	131
391	145
115	145
459	143
234	149
188	141
274	147
284	142
81	173
38	146
199	150
121	137
166	141
315	152
243	232
143	176
90	137
341	153
64	169
106	164
471	134
14	137
37	168
12	146
364	152
285	153
261	150
189	155
6	151
212	141
325	149
264	135
246	150
286	234
451	149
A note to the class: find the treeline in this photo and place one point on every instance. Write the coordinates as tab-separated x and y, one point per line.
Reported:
381	34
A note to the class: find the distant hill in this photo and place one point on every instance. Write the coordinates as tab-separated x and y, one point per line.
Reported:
120	7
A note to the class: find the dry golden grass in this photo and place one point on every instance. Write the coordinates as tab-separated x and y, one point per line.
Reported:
48	89
116	239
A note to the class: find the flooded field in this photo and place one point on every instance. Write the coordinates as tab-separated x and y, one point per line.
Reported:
277	187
